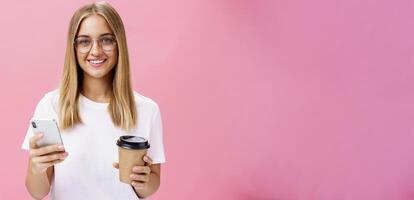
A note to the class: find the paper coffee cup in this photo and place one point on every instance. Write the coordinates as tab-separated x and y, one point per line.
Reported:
132	150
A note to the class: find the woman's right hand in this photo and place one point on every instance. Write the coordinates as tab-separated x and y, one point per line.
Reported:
42	158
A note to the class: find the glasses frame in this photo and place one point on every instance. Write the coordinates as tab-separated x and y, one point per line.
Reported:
98	40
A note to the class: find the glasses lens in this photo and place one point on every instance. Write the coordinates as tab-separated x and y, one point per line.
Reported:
108	43
83	44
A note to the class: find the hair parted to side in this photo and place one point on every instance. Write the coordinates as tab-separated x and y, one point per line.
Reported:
122	106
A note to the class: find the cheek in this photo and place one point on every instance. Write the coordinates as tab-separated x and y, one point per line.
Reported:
114	58
81	59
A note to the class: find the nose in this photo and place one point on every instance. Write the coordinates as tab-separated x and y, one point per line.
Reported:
95	49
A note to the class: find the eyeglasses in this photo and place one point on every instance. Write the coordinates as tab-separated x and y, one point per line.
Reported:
84	44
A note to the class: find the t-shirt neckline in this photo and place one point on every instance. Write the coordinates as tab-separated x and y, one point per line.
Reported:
92	103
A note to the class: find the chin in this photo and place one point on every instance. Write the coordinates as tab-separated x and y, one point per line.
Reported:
98	75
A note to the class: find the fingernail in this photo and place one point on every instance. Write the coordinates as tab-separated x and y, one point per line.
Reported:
61	147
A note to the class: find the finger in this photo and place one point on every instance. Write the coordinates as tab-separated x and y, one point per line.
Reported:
50	157
137	185
141	170
49	164
47	150
33	140
137	177
115	165
148	160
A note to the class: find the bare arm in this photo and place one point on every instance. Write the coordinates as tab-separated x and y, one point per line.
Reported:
38	185
41	167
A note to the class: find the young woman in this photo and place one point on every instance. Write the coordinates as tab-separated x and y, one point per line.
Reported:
94	105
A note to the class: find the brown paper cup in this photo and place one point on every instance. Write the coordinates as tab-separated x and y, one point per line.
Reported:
132	150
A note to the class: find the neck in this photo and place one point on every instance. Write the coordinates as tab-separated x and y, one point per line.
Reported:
97	89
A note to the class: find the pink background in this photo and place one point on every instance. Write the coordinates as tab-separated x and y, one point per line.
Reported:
287	100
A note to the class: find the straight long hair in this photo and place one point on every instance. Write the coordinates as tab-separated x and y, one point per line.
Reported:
122	108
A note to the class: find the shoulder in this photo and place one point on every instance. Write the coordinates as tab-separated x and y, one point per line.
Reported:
54	94
145	102
50	98
47	105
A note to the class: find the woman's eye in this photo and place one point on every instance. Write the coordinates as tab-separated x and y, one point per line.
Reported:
84	42
107	40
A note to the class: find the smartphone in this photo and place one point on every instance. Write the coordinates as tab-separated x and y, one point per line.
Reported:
50	130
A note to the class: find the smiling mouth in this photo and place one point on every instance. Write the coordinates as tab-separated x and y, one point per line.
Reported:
96	63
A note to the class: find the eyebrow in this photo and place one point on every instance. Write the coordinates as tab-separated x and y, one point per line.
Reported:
105	34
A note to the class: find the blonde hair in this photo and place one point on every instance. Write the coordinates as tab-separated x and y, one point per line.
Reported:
122	104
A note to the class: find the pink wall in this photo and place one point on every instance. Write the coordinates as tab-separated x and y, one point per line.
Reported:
287	100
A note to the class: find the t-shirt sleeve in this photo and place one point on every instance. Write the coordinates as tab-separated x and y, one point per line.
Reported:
156	150
29	134
41	111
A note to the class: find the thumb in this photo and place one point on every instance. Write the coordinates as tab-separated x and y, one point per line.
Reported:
115	165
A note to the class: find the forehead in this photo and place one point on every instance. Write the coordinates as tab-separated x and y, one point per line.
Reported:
94	26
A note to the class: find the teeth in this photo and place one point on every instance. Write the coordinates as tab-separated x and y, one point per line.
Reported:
96	61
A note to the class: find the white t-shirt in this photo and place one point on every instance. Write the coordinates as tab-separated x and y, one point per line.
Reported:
87	172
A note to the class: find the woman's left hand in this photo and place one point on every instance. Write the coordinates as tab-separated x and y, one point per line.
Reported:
140	175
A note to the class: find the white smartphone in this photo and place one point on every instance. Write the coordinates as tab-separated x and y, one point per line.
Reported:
50	130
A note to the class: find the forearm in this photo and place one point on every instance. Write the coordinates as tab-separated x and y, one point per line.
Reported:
37	184
151	188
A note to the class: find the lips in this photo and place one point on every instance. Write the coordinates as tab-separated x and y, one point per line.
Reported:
96	62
